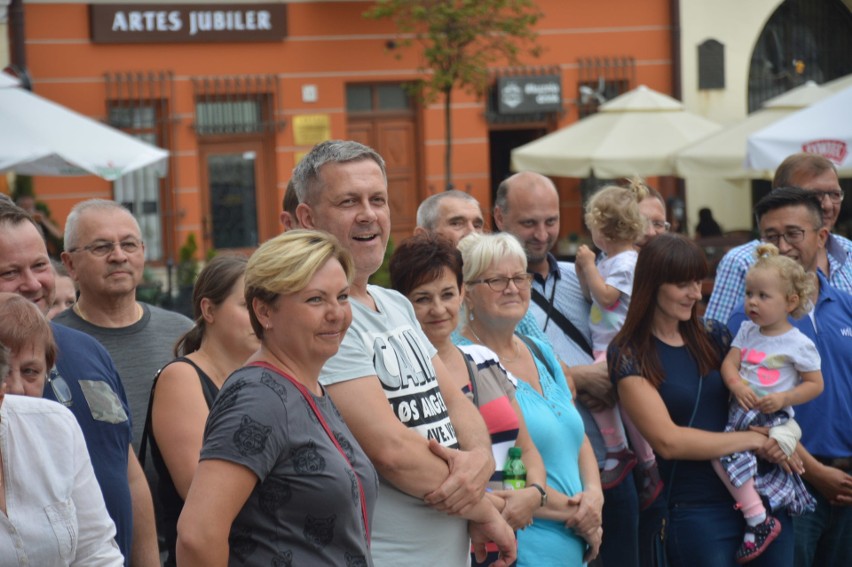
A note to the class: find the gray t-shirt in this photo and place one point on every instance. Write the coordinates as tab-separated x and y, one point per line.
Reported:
306	507
138	351
388	343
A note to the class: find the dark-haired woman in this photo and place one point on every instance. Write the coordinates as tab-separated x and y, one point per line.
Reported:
220	342
665	363
427	269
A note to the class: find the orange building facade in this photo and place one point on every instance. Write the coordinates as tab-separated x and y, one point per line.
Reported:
239	91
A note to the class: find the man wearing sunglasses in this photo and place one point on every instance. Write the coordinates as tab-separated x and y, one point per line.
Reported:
793	219
85	380
811	172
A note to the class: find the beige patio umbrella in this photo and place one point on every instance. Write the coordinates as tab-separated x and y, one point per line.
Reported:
636	133
723	154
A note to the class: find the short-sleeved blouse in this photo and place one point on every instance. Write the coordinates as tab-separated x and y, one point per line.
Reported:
695	482
306	507
557	431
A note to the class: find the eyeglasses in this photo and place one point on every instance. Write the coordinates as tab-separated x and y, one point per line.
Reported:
102	248
833	196
661	225
790	236
61	390
501	283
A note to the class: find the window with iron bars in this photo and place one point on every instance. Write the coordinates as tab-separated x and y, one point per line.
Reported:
601	79
137	103
233	105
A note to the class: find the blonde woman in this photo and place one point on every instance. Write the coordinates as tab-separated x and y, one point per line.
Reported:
281	478
497	295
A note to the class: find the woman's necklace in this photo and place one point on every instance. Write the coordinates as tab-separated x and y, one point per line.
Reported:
502	358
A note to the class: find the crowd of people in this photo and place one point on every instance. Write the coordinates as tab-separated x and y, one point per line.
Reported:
305	416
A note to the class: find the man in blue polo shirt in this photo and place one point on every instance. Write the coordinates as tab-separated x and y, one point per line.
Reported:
791	219
85	380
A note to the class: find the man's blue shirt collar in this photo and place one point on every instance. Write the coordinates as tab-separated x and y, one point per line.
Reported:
552	269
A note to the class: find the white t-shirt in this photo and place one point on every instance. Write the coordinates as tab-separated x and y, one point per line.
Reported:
389	343
773	364
617	271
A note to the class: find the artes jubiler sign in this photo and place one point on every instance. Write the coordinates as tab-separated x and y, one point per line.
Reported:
187	23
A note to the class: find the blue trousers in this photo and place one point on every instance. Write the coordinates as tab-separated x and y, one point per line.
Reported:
709	536
824	536
620	545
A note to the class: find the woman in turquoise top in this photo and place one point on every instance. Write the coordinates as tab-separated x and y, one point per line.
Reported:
497	295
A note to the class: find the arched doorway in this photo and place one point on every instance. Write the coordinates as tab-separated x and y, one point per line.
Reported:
803	40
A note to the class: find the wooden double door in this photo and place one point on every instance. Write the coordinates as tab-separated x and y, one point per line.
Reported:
395	140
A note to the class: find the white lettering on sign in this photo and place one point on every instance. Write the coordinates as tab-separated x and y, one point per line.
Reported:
229	20
541	88
199	21
135	21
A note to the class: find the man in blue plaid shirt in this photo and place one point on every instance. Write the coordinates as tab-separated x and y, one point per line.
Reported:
808	171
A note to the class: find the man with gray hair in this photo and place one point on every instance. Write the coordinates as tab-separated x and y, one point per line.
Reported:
452	214
426	440
105	255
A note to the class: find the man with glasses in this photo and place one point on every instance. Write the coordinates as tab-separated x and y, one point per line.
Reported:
105	255
527	207
793	219
85	380
811	172
653	208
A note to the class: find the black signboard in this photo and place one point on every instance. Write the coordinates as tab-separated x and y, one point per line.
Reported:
187	23
524	94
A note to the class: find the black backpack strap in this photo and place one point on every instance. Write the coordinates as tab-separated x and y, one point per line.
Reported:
567	326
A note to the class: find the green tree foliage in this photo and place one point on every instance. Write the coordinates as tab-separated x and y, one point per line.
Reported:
460	39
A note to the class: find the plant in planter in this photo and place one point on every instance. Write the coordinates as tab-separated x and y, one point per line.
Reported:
187	268
187	271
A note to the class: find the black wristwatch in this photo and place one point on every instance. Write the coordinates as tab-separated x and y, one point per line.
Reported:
542	491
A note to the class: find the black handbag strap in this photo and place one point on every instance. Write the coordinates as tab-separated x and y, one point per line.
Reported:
471	375
147	430
536	352
691	420
561	321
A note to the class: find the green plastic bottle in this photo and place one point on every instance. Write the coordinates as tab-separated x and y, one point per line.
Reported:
514	472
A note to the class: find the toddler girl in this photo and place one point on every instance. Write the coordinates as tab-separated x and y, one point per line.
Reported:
613	217
770	367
